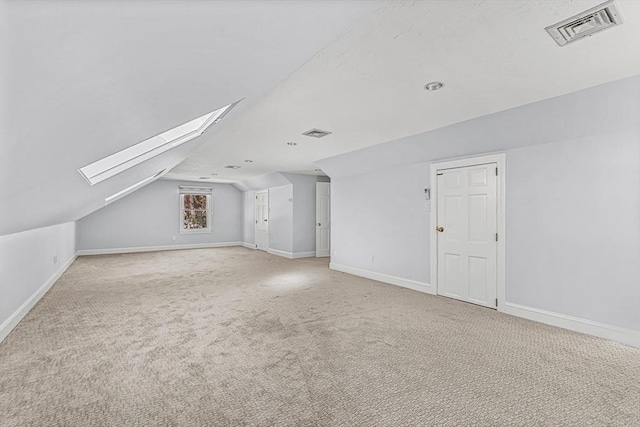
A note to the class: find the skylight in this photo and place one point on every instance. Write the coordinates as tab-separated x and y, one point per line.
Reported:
119	195
122	160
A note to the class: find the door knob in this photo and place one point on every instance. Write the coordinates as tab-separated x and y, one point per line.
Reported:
440	229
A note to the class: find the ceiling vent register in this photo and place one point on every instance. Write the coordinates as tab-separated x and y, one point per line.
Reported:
585	24
316	133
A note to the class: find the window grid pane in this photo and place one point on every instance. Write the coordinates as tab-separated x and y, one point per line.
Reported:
195	220
195	202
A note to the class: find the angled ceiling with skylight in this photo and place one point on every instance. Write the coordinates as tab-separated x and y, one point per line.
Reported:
81	81
118	162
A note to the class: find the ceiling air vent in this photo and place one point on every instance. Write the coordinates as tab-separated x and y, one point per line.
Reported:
586	24
316	133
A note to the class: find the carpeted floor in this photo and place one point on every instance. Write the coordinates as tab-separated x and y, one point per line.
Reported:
232	337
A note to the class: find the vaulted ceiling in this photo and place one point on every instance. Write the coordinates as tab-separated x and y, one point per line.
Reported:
367	87
82	80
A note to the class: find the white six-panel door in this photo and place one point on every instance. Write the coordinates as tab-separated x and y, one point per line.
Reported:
466	233
323	215
262	220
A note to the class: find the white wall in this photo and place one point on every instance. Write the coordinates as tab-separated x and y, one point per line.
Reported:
249	217
572	227
28	269
382	215
572	203
304	212
291	222
151	217
573	244
281	218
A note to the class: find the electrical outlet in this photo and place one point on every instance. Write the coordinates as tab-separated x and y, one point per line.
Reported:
173	238
372	259
55	259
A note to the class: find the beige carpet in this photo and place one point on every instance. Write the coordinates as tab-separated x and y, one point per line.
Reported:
232	337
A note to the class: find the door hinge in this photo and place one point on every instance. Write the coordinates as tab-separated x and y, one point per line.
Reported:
496	237
256	221
496	171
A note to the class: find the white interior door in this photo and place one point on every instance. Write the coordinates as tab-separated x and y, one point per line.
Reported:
323	216
467	233
262	220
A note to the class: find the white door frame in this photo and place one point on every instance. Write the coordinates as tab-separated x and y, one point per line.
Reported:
500	160
328	220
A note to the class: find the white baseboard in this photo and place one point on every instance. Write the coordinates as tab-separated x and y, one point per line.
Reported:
280	253
108	251
311	254
248	245
291	255
393	280
13	320
625	336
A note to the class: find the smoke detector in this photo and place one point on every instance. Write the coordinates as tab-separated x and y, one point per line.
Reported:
316	133
586	24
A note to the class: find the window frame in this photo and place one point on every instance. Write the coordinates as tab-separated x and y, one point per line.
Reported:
129	157
209	215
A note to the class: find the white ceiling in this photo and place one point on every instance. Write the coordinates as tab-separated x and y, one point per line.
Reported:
81	80
367	87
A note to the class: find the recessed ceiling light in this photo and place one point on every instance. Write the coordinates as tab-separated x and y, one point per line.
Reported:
214	174
318	170
232	167
204	177
248	161
316	133
292	143
433	86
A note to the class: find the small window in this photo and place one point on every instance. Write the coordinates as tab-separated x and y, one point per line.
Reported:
195	210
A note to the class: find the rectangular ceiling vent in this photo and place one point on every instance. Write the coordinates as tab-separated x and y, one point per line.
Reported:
586	24
316	133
